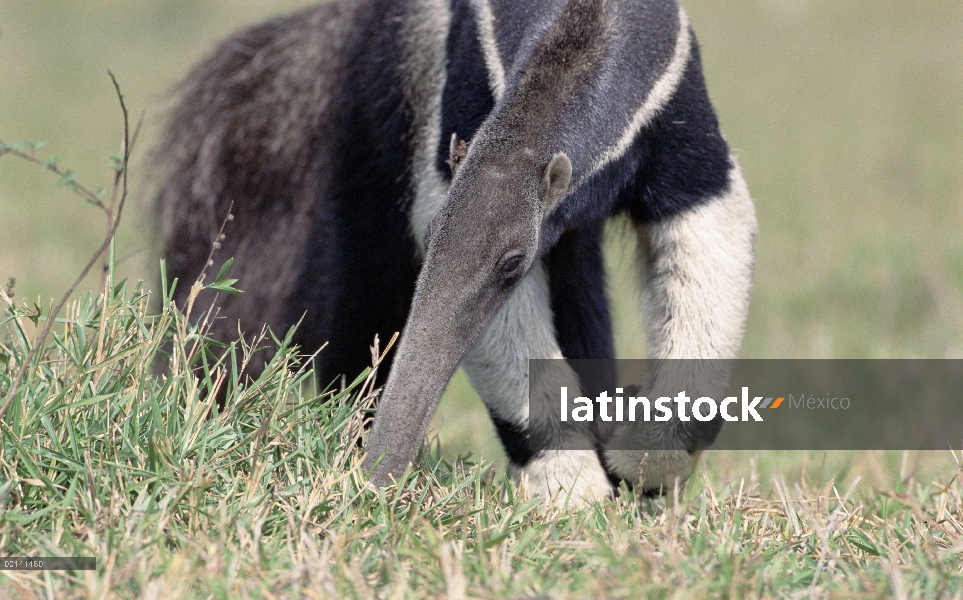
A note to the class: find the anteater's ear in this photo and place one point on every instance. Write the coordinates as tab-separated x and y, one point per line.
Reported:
457	151
558	175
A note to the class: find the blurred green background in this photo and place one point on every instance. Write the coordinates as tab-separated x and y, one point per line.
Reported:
847	117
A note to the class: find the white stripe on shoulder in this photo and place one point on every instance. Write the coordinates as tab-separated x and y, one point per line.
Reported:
659	95
485	21
425	34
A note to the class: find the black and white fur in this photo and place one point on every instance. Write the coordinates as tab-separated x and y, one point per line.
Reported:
331	133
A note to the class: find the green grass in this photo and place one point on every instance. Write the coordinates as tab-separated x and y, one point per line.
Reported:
99	456
847	118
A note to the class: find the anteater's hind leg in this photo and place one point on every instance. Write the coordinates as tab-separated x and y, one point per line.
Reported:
250	137
268	129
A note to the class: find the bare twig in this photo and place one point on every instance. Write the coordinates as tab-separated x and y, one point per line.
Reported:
216	244
119	184
120	180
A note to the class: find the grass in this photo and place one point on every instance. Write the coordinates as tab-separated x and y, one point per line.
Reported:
847	119
264	498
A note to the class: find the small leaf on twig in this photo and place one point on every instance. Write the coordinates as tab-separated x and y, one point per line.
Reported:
67	180
117	161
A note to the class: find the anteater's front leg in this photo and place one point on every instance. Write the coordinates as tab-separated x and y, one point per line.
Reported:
696	268
497	366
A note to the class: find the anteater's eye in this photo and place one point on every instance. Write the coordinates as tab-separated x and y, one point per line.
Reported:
512	268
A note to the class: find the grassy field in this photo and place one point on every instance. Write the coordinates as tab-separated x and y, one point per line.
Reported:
265	498
848	120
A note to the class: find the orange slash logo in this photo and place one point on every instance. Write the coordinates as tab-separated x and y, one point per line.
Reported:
769	401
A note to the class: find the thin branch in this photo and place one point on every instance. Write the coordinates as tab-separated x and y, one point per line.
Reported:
216	244
88	195
119	179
